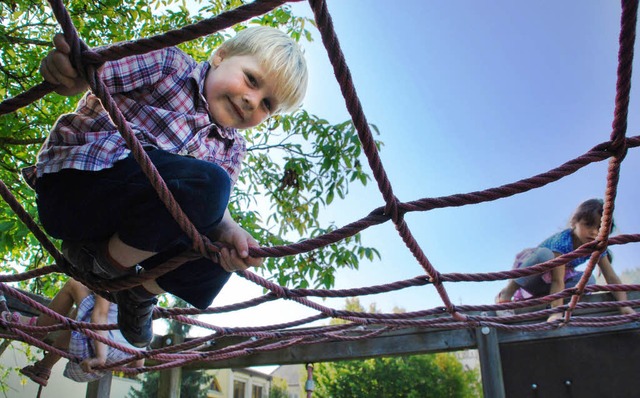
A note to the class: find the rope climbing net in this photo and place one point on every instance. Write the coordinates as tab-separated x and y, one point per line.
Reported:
279	336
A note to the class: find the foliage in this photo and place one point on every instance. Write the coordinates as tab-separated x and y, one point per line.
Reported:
296	166
279	388
194	384
416	376
630	276
431	375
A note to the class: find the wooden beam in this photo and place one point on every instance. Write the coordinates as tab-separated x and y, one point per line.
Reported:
170	381
411	341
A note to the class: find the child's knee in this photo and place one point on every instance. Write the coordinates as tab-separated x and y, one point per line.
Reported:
76	290
539	255
208	197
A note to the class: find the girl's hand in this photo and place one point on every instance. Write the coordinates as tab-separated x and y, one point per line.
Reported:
627	311
89	364
56	68
554	317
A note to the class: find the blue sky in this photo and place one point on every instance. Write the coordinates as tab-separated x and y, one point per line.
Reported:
469	96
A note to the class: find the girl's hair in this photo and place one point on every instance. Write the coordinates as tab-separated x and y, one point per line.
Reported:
281	57
589	211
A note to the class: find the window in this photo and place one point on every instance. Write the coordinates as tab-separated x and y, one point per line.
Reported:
238	389
215	386
256	392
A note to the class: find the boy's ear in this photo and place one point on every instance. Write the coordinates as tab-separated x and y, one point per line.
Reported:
218	57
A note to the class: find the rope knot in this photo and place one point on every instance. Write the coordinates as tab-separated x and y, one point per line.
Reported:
618	146
281	292
392	209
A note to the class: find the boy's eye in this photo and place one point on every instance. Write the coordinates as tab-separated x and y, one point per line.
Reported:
267	104
252	80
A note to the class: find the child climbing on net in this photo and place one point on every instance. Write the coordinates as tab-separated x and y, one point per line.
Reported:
93	195
583	228
89	307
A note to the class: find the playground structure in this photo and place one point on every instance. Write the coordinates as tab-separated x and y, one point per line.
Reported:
433	329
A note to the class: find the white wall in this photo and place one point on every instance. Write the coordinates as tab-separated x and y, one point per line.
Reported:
58	386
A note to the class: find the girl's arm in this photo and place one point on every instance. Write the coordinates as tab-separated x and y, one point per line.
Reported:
98	316
612	278
557	285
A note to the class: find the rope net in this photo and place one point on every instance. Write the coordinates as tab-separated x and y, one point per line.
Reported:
359	325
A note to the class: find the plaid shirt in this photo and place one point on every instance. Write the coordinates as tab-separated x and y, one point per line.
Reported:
161	96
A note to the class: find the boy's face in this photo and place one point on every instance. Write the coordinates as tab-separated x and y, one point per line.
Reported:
238	91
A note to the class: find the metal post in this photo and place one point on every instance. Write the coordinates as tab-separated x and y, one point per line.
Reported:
309	386
490	365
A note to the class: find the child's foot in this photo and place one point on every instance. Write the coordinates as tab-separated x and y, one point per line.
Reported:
16	317
89	259
135	316
37	373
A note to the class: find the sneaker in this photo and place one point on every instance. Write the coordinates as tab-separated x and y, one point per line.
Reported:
135	316
87	260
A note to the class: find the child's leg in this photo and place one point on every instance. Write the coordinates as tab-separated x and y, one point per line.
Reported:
534	284
119	203
73	292
198	281
40	371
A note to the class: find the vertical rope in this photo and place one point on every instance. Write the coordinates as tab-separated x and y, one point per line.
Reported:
627	37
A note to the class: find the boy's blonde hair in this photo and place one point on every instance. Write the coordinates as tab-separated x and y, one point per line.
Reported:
281	57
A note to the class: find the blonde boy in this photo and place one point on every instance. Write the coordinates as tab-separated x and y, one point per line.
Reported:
92	194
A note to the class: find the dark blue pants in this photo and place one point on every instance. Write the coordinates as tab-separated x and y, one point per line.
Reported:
78	205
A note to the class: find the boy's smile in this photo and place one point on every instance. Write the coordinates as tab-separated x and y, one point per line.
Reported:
238	91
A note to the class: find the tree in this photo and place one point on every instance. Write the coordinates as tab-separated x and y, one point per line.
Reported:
414	376
631	276
194	384
279	388
296	165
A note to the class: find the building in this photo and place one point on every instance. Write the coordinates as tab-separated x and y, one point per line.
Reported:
227	383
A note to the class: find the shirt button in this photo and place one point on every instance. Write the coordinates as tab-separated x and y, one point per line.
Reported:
183	152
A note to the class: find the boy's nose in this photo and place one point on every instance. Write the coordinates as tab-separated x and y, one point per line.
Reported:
249	101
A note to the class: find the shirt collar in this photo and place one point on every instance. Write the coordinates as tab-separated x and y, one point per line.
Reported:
198	75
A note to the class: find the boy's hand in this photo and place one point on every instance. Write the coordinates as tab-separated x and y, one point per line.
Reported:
56	68
237	257
89	364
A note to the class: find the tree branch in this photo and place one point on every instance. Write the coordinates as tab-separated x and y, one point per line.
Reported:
24	40
16	141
